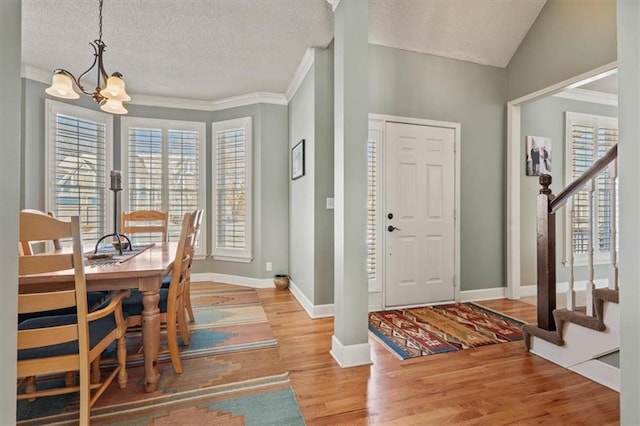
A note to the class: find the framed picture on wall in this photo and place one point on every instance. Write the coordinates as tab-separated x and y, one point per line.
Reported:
538	156
297	160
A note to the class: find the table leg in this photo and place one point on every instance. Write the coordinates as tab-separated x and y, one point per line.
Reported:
150	338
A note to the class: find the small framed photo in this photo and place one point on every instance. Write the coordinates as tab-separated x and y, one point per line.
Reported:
297	160
538	156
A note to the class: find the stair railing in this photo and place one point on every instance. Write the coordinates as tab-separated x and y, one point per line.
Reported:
547	206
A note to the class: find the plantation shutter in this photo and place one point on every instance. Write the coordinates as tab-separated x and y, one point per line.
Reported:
184	176
591	138
371	209
164	170
232	189
78	151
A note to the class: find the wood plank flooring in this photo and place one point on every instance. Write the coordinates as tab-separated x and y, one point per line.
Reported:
493	385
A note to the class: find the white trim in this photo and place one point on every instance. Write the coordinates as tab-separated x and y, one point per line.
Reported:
301	72
165	125
36	74
52	108
334	4
482	294
600	372
43	76
233	279
514	160
313	311
584	95
245	254
531	290
351	355
457	127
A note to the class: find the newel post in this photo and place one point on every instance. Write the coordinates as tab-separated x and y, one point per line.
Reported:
546	235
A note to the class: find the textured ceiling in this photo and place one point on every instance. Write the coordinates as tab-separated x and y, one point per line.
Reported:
213	49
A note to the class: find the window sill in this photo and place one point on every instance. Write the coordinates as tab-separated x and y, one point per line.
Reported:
232	259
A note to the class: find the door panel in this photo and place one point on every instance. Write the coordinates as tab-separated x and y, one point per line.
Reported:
420	193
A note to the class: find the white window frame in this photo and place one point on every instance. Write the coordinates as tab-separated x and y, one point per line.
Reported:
376	134
166	126
52	109
221	253
571	118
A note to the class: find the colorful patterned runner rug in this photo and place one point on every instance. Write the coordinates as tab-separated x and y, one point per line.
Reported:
232	374
415	332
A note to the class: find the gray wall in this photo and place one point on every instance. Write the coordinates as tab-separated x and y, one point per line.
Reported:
311	224
568	38
10	120
301	190
424	86
270	172
546	117
324	238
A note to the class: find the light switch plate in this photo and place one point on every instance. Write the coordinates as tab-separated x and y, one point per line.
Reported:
329	203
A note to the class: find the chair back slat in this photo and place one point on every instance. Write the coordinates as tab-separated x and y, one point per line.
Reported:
37	226
145	221
42	263
39	337
42	302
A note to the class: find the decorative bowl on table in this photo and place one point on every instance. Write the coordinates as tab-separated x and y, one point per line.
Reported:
122	245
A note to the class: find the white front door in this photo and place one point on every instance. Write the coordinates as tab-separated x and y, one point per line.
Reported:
420	206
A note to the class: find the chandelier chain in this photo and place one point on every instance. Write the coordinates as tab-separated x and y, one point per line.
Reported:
100	20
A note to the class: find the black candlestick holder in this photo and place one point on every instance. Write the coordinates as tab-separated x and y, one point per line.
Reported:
118	238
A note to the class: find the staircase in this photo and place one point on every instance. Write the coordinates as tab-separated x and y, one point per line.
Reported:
580	339
576	337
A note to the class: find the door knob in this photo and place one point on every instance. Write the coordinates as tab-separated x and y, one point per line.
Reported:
392	228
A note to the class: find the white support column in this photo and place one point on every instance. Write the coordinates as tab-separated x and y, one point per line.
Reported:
628	29
10	102
350	342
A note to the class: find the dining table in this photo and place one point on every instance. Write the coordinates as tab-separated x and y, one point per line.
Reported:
144	271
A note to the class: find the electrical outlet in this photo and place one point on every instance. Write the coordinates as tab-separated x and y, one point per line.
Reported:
269	266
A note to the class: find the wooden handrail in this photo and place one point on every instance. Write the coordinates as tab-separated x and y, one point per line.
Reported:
575	186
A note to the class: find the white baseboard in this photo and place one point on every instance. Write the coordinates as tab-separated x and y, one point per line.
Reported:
531	290
600	372
233	279
483	294
314	311
351	355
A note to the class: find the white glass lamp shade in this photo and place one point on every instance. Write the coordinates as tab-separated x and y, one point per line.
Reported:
62	87
115	89
113	106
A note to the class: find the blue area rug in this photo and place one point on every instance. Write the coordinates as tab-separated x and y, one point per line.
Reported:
233	374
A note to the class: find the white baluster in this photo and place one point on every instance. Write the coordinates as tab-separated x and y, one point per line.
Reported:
571	293
591	248
613	274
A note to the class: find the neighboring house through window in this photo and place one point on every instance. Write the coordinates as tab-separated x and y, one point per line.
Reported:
78	160
163	164
232	198
588	138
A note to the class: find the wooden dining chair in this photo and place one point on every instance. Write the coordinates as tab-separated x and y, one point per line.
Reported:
172	299
146	222
197	222
57	344
26	247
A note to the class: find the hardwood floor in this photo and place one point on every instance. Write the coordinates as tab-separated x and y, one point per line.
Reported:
492	385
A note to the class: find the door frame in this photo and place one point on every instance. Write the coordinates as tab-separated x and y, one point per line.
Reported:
514	173
381	248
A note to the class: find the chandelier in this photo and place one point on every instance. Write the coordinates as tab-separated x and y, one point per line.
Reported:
109	98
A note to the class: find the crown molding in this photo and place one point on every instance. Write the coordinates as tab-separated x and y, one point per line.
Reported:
334	4
37	74
592	96
301	72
